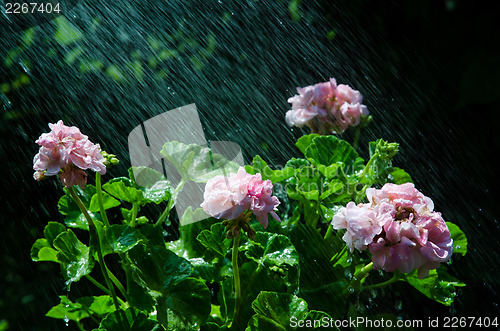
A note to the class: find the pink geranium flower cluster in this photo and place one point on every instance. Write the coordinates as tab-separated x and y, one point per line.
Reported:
228	197
326	107
66	152
399	227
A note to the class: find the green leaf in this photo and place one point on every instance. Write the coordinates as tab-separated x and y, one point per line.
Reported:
154	237
315	193
333	171
42	251
309	183
305	141
76	260
67	310
205	270
215	239
328	150
66	33
317	187
157	266
197	163
353	314
82	308
155	189
295	163
210	326
107	201
52	230
278	309
459	239
327	297
399	176
145	176
199	240
191	216
260	166
334	191
159	192
123	189
80	222
294	10
272	249
321	284
189	301
277	254
74	218
97	305
188	245
134	321
67	206
315	254
123	237
182	155
153	185
138	295
438	286
259	322
318	320
226	298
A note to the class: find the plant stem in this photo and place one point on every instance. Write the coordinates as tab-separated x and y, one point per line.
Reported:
338	256
358	276
102	288
161	312
252	280
356	137
95	240
80	326
394	279
329	232
363	272
369	164
165	213
106	225
117	283
99	285
237	285
133	216
170	204
360	194
224	300
100	200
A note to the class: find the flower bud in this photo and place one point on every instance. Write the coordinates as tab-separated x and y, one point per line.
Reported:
386	150
110	160
39	175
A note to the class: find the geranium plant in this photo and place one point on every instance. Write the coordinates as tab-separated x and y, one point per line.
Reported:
295	243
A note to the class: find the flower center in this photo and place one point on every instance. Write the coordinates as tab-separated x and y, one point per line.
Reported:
405	214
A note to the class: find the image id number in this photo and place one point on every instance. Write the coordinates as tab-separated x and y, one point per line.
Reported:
31	7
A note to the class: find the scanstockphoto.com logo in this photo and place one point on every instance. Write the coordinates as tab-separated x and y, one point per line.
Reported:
174	144
16	16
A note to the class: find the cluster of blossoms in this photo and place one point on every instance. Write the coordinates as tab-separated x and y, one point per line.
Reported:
66	152
399	227
233	197
326	107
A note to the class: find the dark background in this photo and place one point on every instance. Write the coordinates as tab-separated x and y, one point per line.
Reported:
428	71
